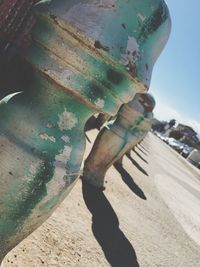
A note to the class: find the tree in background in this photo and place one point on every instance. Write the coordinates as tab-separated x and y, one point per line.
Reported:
172	123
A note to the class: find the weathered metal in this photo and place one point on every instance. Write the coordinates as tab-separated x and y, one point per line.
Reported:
131	125
87	57
96	122
143	128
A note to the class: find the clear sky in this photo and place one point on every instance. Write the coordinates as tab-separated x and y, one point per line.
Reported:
176	74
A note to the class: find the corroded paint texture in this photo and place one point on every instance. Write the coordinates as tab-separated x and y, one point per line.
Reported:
42	144
110	45
130	127
86	57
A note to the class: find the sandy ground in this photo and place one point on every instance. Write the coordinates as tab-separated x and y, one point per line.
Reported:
149	215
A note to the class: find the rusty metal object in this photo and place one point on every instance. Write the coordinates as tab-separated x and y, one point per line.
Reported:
74	69
132	124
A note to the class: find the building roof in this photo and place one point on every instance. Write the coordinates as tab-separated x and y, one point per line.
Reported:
187	128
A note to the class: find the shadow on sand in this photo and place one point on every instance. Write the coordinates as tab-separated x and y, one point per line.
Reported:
140	156
141	150
105	226
137	165
128	180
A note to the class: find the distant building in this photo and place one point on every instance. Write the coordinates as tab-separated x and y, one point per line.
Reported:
185	134
186	130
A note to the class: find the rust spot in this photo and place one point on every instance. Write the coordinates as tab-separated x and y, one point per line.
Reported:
114	76
98	45
132	69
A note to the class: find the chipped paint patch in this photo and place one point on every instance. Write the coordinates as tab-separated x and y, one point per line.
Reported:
58	183
141	17
132	47
33	170
65	138
46	137
49	125
67	120
34	167
100	103
64	156
132	53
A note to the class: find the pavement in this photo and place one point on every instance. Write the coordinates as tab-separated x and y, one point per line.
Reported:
149	215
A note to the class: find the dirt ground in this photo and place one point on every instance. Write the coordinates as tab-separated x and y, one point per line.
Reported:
149	215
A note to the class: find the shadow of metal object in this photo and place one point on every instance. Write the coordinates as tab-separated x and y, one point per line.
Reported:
137	165
144	148
140	156
105	226
145	153
128	180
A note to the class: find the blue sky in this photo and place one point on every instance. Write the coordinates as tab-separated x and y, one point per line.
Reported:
176	74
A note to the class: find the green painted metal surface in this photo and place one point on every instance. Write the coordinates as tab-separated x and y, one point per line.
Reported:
42	144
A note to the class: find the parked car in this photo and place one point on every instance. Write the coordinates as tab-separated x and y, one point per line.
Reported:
175	144
161	136
158	134
186	151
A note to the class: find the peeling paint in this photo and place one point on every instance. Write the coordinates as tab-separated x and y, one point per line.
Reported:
58	183
64	156
34	167
67	120
65	138
100	103
142	17
132	53
132	48
49	125
46	137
